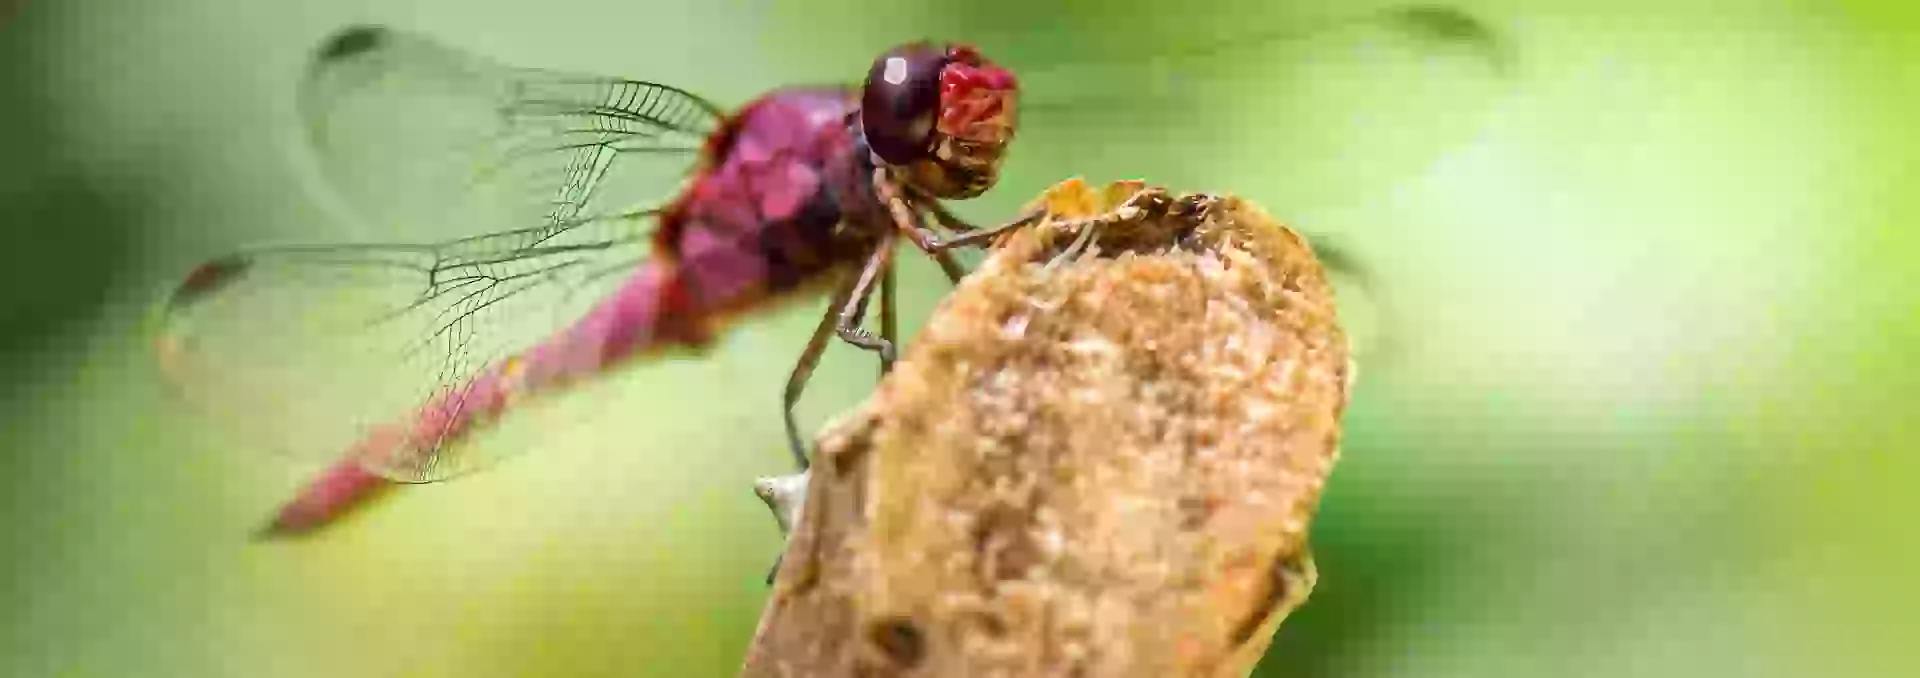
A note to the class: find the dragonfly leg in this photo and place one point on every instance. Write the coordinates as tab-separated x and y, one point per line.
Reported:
842	318
949	264
889	320
1079	244
947	218
774	571
803	370
1135	207
977	236
907	220
854	307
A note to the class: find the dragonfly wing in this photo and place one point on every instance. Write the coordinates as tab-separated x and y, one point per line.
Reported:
413	133
518	198
1348	105
1348	108
310	349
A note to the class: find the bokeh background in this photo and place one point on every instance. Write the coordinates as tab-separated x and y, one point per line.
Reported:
1647	412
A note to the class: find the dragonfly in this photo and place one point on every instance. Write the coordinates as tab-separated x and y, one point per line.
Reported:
559	224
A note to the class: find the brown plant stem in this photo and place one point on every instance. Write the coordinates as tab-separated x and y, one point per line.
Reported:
1100	458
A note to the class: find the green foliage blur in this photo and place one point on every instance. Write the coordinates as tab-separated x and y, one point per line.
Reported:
1647	413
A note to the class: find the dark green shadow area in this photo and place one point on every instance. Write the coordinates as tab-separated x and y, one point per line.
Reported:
1384	546
66	244
67	238
1375	553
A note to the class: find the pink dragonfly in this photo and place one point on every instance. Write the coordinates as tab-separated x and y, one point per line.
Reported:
561	224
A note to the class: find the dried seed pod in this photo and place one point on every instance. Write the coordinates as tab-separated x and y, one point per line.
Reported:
1100	458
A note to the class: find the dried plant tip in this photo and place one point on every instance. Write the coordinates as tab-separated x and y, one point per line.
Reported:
1101	466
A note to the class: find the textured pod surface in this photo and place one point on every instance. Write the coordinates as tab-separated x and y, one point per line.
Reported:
1102	463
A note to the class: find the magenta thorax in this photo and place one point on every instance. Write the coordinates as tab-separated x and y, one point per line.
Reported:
786	197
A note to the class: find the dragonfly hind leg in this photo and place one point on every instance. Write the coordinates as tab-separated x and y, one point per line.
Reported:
842	318
802	371
854	309
785	493
889	320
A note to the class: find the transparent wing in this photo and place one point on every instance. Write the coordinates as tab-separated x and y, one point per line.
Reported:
1318	113
525	197
413	133
1366	307
1334	109
307	348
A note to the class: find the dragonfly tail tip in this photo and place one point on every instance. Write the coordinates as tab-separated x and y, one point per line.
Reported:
277	529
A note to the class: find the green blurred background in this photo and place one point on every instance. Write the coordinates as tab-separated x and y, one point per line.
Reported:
1648	415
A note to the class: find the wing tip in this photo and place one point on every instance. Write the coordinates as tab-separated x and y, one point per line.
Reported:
1378	339
351	41
208	277
1440	21
1443	25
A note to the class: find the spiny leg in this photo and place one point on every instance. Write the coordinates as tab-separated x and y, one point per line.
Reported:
1089	227
984	235
889	320
947	219
854	307
796	384
949	265
1079	244
1134	207
842	318
906	220
803	370
970	234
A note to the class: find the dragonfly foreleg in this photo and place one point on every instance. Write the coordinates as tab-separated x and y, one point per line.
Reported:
907	220
975	236
1135	207
1079	244
947	219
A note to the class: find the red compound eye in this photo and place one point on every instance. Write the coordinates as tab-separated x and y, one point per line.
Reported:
957	80
1000	78
960	79
963	53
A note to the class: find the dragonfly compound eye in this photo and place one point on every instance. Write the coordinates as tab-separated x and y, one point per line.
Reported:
901	101
976	99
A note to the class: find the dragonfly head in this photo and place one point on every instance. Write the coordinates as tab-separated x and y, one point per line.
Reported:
941	115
